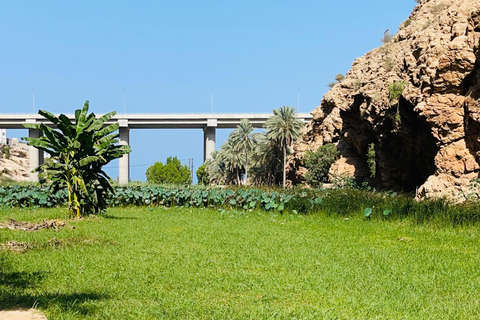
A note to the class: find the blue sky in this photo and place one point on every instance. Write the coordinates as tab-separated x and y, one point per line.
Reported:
167	56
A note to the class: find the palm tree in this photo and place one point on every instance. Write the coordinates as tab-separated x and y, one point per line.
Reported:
232	159
284	127
244	141
265	160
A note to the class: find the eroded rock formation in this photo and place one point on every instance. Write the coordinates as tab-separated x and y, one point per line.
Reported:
428	138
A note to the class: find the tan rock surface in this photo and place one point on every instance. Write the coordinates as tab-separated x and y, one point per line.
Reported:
16	167
430	137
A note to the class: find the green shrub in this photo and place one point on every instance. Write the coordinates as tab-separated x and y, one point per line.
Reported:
395	90
202	175
318	164
171	172
371	160
7	152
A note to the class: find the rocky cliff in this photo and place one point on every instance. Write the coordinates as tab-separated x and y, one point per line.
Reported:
416	99
16	166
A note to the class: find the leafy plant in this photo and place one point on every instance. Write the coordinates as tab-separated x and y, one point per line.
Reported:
7	152
406	23
339	77
170	172
395	90
78	151
202	175
371	160
318	164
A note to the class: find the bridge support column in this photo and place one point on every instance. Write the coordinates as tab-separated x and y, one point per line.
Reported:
35	155
124	161
209	139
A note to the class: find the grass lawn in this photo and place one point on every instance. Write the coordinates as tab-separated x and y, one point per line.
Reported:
139	263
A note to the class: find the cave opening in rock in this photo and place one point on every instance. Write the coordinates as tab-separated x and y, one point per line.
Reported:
405	147
407	151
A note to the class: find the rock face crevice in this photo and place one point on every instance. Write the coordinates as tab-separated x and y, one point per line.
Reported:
428	137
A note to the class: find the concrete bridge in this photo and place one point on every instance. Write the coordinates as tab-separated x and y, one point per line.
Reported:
208	122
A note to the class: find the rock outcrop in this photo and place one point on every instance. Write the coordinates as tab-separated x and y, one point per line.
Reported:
16	167
427	138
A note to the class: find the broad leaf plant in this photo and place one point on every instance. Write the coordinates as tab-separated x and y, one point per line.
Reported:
78	151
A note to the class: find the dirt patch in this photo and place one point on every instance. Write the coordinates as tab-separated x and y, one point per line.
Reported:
29	226
30	314
16	246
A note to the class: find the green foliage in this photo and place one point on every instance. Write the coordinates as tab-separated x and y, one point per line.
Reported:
255	156
338	78
202	175
345	202
371	160
406	23
244	142
7	152
332	84
395	90
77	154
318	164
172	172
284	127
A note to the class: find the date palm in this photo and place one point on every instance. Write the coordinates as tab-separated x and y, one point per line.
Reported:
78	151
244	142
284	127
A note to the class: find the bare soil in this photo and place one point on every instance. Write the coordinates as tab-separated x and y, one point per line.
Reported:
30	314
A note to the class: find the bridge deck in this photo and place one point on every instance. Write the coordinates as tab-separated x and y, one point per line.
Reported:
158	121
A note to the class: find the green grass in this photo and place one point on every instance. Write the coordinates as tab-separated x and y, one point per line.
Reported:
141	263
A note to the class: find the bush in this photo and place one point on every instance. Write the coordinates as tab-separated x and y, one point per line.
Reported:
7	152
318	164
202	175
395	90
172	172
371	160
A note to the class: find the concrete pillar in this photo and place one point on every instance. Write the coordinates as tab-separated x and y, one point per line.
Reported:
35	155
209	139
124	161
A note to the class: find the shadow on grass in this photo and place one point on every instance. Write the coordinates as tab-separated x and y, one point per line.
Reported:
23	290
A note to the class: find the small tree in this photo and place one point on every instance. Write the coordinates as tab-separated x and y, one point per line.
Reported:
78	151
202	175
171	172
318	164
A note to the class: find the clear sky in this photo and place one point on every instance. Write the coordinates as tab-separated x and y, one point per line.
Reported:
167	56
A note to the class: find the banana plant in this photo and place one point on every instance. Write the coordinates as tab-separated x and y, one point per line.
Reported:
78	151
